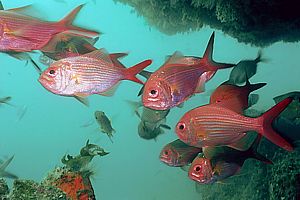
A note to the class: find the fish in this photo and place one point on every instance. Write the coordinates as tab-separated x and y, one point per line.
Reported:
178	154
105	124
23	33
234	97
287	124
219	163
152	121
295	95
91	73
245	69
213	125
5	174
179	78
64	45
5	100
150	131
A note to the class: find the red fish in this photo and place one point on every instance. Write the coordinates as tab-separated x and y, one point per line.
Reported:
92	73
234	97
219	163
178	154
213	125
179	78
22	33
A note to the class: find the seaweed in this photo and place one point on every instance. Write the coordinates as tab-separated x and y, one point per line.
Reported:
257	22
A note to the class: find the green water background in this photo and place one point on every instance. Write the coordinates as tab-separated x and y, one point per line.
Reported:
52	124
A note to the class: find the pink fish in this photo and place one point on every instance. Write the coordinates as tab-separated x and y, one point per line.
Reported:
22	33
179	78
213	125
234	97
178	154
92	73
219	163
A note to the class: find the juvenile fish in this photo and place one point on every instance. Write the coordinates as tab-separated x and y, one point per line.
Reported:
105	124
5	174
244	70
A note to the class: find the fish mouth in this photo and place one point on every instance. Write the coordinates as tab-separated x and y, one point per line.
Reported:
166	160
155	104
197	177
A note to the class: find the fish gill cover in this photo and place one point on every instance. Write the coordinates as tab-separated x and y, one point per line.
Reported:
257	22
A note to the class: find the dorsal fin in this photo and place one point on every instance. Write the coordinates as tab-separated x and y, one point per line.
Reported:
99	54
175	58
209	49
1	6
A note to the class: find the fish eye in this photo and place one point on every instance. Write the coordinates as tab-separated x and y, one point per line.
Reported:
153	93
197	168
52	72
166	152
181	126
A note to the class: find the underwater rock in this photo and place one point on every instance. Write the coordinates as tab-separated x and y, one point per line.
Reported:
257	22
3	188
28	189
75	184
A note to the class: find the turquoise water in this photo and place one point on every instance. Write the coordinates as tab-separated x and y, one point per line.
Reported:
52	125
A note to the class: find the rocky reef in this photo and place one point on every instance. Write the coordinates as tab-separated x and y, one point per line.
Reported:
70	182
257	22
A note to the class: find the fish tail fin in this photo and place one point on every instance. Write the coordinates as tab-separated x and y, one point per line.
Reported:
68	20
266	120
130	73
212	65
254	153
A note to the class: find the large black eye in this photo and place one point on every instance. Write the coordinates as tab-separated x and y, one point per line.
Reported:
153	92
166	153
197	169
181	126
52	71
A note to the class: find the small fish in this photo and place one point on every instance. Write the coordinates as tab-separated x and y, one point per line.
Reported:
105	124
213	125
84	75
149	115
245	69
287	124
179	78
150	131
219	163
5	174
295	95
5	100
22	33
178	154
64	45
234	97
